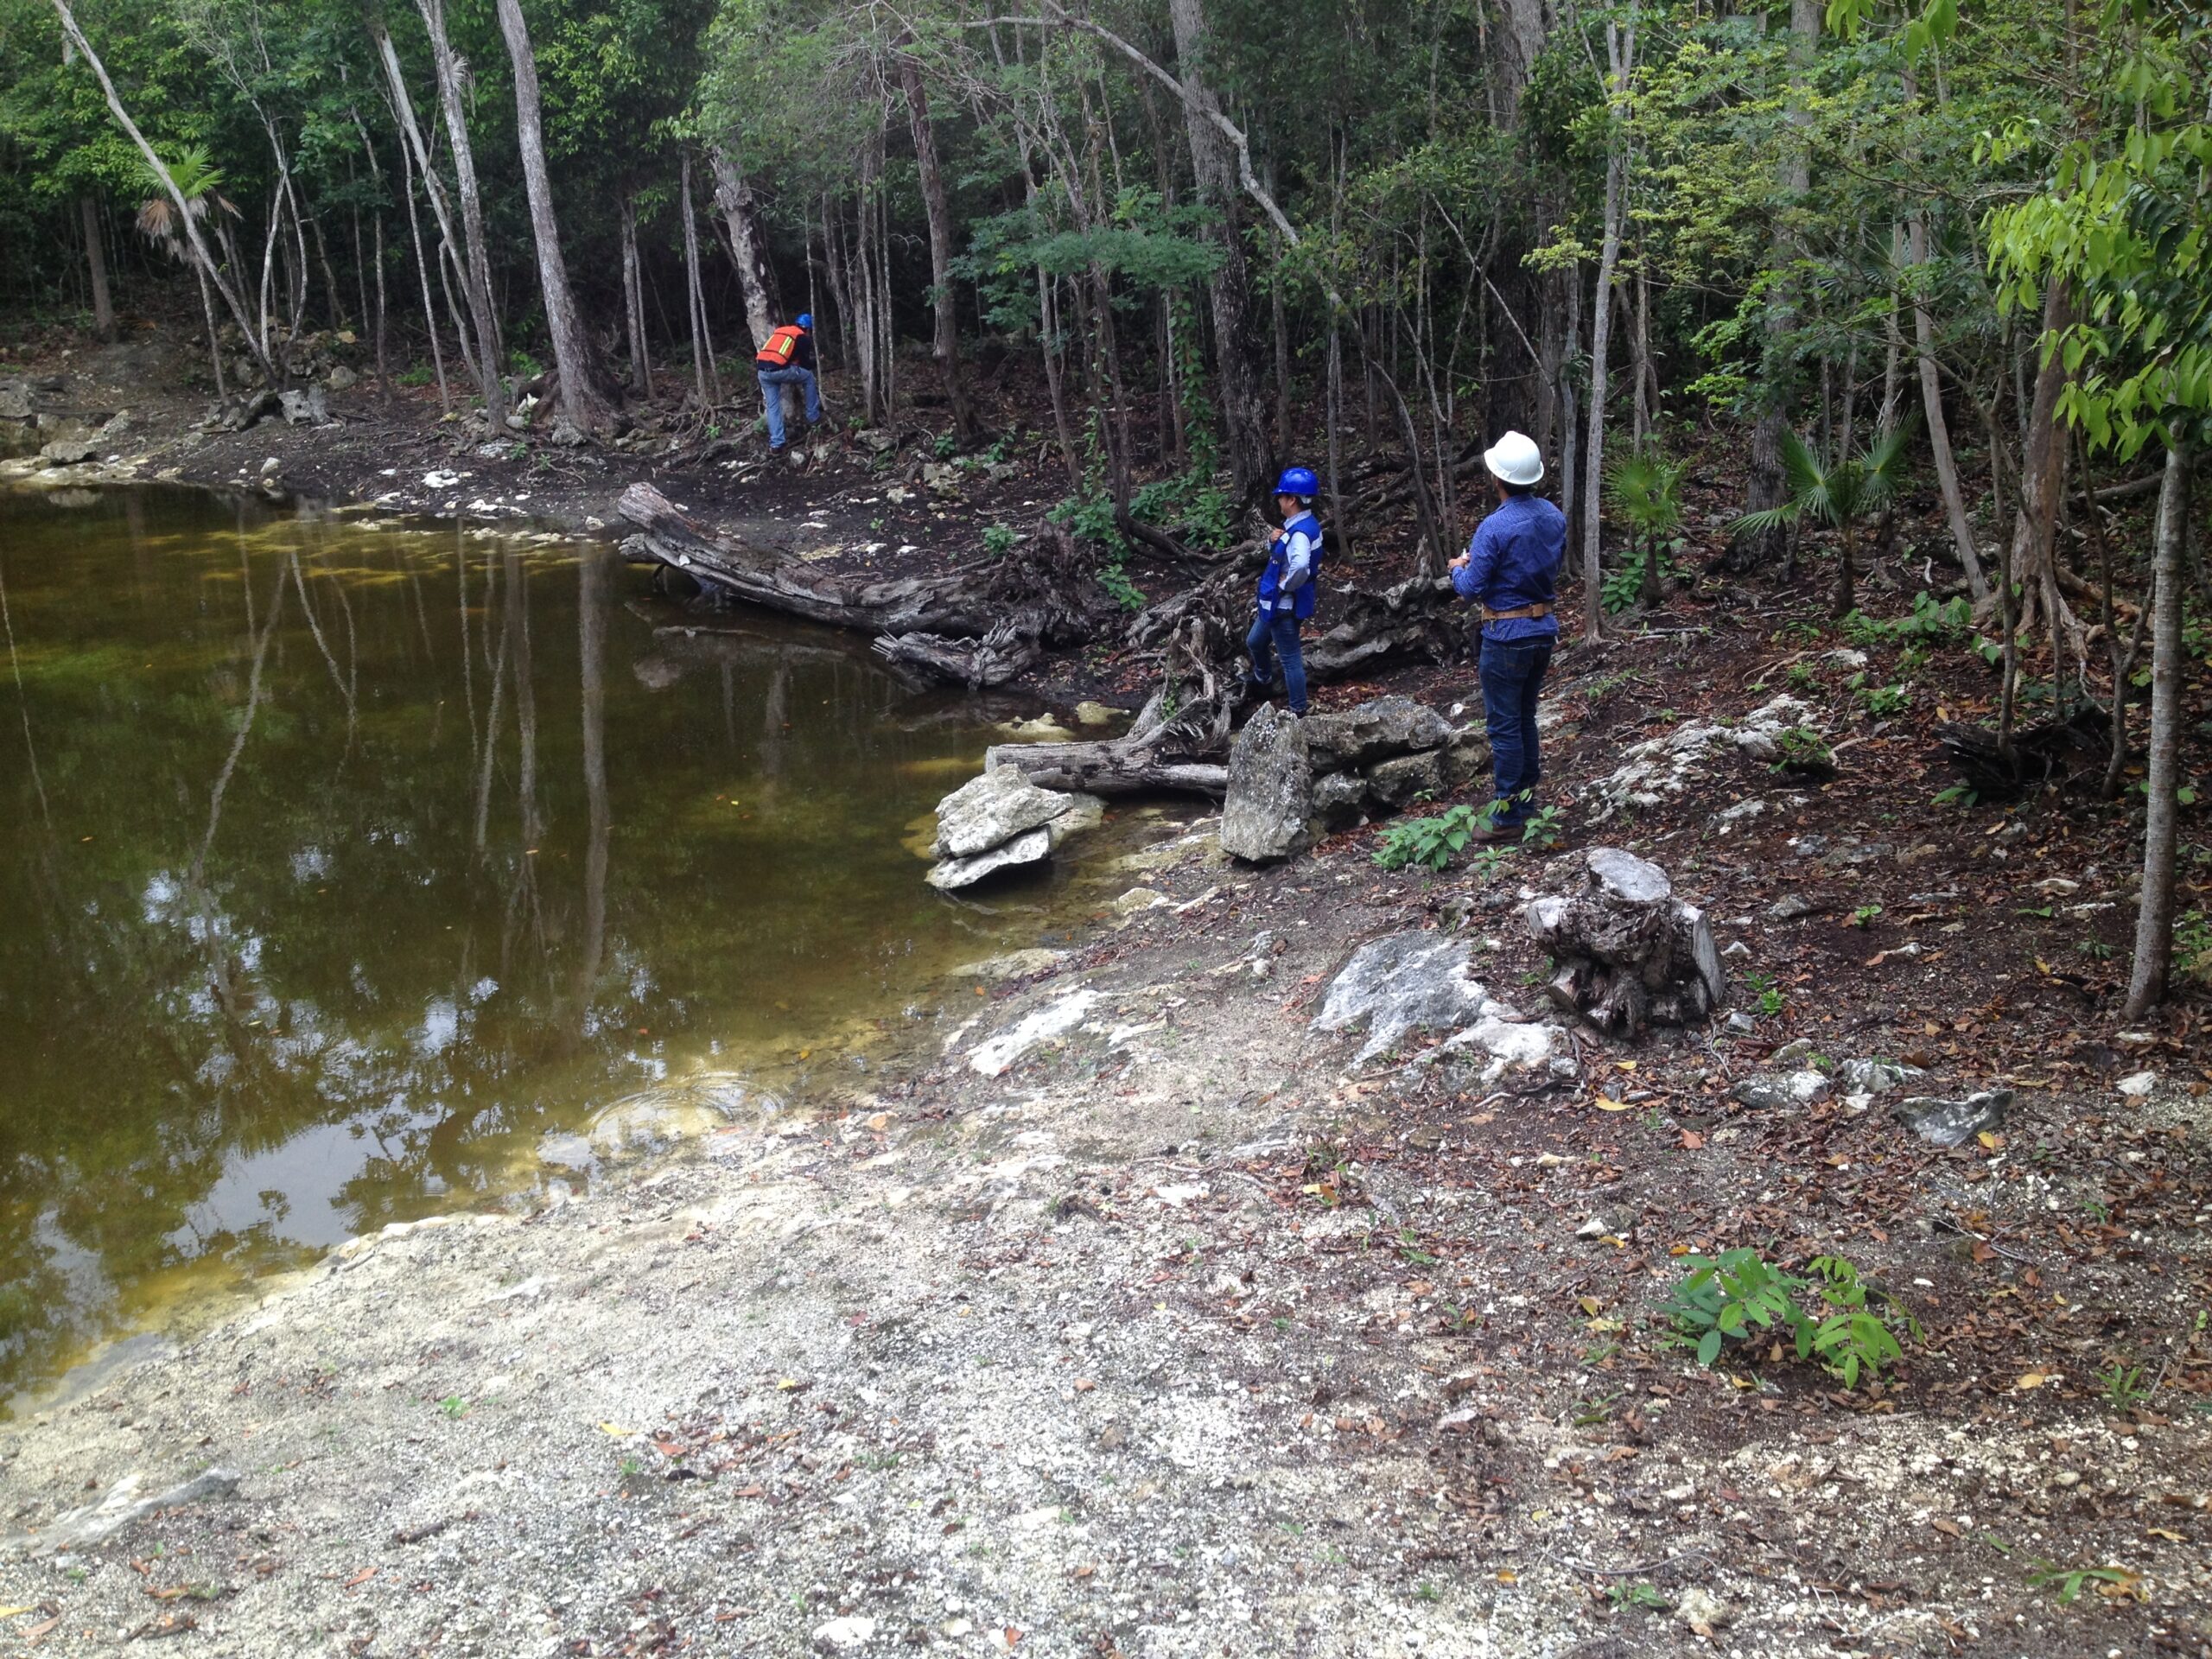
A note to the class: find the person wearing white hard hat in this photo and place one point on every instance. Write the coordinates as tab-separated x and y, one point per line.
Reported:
1510	570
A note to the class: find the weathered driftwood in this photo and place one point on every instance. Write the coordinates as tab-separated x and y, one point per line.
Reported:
1414	619
1178	741
1627	950
981	623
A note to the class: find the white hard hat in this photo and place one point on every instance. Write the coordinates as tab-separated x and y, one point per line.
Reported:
1515	459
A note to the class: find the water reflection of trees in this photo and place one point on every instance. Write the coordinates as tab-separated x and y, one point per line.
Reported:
357	862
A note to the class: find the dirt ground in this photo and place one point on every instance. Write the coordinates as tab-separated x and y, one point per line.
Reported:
1183	1333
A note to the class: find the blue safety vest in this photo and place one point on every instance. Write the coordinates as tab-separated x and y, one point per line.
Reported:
1303	599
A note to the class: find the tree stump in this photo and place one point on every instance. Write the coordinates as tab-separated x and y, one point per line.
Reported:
1626	951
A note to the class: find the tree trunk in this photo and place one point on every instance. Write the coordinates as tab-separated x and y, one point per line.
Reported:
2042	481
742	214
1626	949
1939	432
88	209
706	381
2154	917
945	347
1768	488
423	270
209	270
633	302
1230	288
476	274
1620	54
450	246
581	399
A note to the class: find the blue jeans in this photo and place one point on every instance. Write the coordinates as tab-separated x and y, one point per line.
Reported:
773	382
1512	671
1275	635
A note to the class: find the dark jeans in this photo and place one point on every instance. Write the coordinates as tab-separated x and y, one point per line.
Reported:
1512	672
1275	635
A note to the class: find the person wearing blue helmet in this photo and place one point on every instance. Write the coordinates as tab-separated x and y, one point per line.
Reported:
1288	588
787	359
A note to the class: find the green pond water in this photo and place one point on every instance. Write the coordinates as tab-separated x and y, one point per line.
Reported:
349	865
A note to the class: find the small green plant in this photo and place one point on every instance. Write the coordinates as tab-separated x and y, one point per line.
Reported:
1427	1592
454	1406
1957	795
1880	700
419	375
2096	949
1115	580
1864	916
2069	1581
1824	1311
1645	490
1626	1596
1800	677
2123	1385
946	446
1433	843
2193	947
1803	751
999	540
1542	829
1838	493
631	1466
1765	996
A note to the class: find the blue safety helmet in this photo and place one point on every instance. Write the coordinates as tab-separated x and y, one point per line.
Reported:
806	319
1298	480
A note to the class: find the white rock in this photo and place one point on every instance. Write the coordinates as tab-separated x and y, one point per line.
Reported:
1701	1610
2141	1083
1057	1019
847	1632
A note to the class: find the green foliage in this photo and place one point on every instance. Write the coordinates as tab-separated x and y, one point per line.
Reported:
1838	494
1930	621
1543	827
2123	1385
1803	751
1766	995
1824	1312
2069	1581
999	540
1433	843
1646	1596
2192	953
1115	580
1190	504
1878	701
1864	916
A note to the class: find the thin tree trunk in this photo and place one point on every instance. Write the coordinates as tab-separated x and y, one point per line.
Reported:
476	274
423	271
582	399
2154	917
706	381
1230	288
946	346
1620	53
1939	431
88	209
1569	424
2042	481
210	272
633	301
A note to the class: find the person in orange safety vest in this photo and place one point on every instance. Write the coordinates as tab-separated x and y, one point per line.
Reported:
786	359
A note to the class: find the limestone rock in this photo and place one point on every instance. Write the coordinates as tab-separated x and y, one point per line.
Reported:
1375	730
1874	1076
1401	983
1400	782
1779	1091
15	400
68	451
1953	1123
1340	800
343	378
121	1506
1031	847
1270	789
992	809
1465	757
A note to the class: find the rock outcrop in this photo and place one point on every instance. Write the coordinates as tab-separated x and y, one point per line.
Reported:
1001	820
1270	789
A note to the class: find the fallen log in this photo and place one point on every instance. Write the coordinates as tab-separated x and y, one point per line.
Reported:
1176	743
979	624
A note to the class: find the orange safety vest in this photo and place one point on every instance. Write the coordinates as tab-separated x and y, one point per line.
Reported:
781	346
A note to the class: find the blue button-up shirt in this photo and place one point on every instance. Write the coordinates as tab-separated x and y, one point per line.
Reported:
1514	561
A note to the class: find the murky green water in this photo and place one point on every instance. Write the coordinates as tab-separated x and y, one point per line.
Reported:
345	862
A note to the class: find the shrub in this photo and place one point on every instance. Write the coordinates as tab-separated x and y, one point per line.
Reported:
1825	1312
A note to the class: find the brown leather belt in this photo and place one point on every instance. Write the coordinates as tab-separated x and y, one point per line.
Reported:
1528	611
